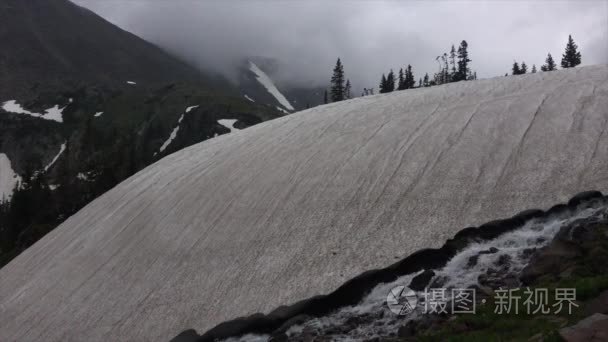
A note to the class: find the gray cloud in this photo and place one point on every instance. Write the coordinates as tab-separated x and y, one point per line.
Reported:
369	36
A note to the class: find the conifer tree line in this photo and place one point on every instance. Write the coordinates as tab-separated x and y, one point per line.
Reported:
570	59
453	67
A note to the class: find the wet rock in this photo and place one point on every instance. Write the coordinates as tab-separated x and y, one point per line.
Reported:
472	262
590	329
492	250
598	304
420	281
549	260
279	337
297	320
408	330
504	261
189	335
528	252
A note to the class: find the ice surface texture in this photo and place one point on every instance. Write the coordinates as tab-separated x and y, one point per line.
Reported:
293	207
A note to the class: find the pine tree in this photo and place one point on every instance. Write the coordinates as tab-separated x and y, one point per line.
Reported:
425	82
420	83
453	61
410	80
524	68
549	64
463	62
325	97
383	85
401	80
571	57
533	68
347	89
337	82
390	81
515	69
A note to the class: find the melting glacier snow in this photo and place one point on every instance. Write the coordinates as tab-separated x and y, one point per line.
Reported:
54	113
8	178
269	85
61	149
248	222
228	123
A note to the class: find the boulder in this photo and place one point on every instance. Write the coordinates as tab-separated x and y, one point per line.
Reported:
590	329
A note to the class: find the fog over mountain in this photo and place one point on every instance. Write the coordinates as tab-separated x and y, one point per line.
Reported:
370	36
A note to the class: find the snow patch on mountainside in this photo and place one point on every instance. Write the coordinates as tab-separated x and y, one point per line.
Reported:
61	149
172	136
8	178
175	130
282	110
131	83
228	123
249	98
269	85
98	114
190	108
54	113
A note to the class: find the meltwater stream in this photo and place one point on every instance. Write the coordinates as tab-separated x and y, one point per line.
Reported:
507	254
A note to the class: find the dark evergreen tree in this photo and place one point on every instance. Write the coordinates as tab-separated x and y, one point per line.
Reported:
524	68
453	61
410	80
571	56
347	89
401	80
549	64
390	81
420	83
533	69
325	97
516	70
425	82
337	83
383	85
463	62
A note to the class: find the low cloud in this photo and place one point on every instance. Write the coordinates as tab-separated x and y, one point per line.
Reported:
370	36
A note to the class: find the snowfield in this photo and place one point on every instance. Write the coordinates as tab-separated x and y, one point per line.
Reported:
54	160
8	178
269	85
293	207
54	113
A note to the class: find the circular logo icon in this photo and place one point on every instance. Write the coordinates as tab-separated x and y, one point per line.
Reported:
401	300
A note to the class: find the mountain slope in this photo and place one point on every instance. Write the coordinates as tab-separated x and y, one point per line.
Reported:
55	42
292	207
108	100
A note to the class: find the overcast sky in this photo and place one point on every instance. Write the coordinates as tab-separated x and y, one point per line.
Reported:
370	36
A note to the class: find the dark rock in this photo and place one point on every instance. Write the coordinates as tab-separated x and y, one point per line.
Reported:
504	261
420	281
549	260
592	328
189	335
492	250
598	304
583	197
297	320
472	262
408	330
278	337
